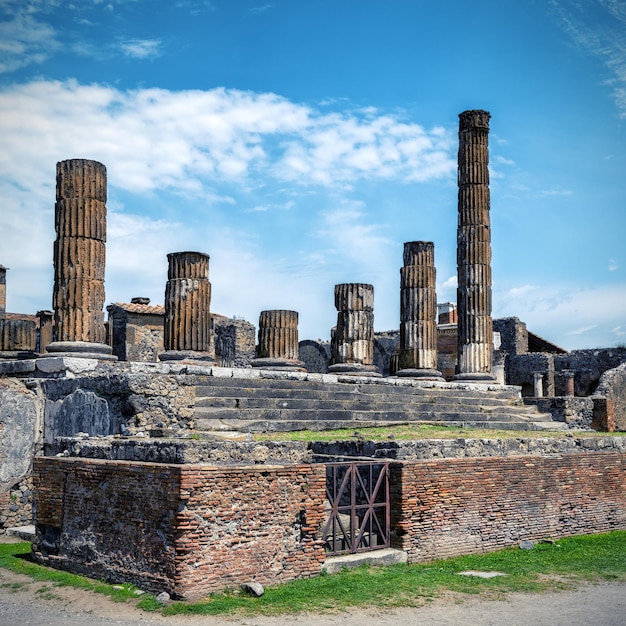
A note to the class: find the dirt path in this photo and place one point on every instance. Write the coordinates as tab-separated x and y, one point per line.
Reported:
27	603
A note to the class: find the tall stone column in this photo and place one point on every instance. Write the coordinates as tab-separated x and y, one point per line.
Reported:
3	291
475	328
278	341
79	260
352	340
418	312
187	330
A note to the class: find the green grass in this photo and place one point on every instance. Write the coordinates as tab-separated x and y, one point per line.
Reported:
418	431
16	558
549	566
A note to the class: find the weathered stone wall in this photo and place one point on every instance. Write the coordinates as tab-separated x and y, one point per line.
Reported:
188	530
444	508
589	365
105	399
20	439
521	368
613	386
180	451
427	449
575	412
513	335
234	341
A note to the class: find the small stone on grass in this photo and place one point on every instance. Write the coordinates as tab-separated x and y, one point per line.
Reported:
256	589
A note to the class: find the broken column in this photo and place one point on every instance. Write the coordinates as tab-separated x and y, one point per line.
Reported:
45	329
418	312
475	330
17	338
79	260
187	331
352	340
278	341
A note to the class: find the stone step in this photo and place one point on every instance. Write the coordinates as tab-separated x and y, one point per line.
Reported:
272	388
359	415
269	426
327	399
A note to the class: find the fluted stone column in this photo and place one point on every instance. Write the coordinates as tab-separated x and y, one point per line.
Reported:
45	329
352	340
79	260
475	328
3	291
17	339
278	341
418	312
187	330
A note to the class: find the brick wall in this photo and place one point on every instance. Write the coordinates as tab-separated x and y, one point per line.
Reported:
194	529
246	524
185	529
451	507
110	520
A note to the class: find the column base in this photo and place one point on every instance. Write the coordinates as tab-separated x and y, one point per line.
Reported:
354	369
423	374
279	365
205	358
475	377
17	355
79	350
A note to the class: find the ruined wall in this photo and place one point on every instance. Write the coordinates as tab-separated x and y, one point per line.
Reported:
589	366
445	508
112	521
521	367
193	529
20	438
613	386
188	530
234	341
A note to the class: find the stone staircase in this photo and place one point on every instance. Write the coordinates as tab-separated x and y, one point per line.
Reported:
274	402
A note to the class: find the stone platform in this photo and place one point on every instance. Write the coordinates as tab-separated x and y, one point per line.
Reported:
271	401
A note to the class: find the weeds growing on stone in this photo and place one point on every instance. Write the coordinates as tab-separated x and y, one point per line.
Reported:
407	432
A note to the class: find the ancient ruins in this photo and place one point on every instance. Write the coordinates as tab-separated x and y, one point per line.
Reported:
128	443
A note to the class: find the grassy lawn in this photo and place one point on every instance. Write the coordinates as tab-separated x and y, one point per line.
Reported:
421	431
549	566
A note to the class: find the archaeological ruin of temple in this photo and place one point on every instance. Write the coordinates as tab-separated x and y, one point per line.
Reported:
165	446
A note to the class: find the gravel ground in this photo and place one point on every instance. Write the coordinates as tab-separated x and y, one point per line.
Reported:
27	603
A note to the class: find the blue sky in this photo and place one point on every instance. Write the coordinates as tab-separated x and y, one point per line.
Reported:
301	143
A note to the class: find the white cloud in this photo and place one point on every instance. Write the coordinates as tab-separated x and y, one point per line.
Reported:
200	150
562	312
142	48
25	41
613	265
157	139
597	27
